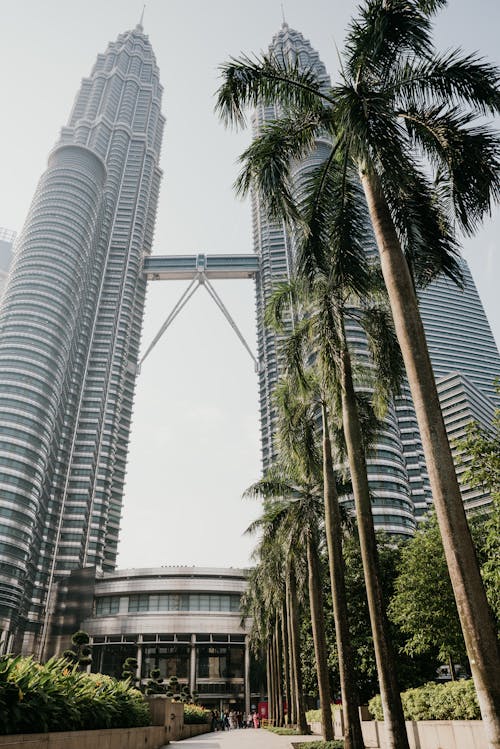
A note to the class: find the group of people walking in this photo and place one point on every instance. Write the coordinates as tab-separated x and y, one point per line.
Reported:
232	719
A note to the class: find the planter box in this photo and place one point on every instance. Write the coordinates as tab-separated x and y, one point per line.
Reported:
170	715
424	734
151	737
194	729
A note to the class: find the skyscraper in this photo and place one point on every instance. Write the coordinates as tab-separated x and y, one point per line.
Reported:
393	506
466	362
6	242
69	337
458	333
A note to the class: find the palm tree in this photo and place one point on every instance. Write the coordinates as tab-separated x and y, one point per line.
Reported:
293	506
327	307
405	118
299	397
271	596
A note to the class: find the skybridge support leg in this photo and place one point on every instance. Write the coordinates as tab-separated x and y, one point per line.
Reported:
220	304
199	280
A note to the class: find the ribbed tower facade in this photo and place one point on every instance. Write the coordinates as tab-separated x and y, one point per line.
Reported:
6	243
458	333
70	329
393	507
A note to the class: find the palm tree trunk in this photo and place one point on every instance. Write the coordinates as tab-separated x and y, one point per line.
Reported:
319	638
286	657
475	615
299	692
274	717
292	705
279	670
269	680
395	728
353	737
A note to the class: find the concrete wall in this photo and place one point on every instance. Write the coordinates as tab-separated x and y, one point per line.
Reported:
151	737
167	718
423	734
170	715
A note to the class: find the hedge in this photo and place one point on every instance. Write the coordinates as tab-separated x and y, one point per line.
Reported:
314	716
196	714
56	696
455	700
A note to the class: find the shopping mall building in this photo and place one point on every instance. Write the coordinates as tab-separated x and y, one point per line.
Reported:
185	621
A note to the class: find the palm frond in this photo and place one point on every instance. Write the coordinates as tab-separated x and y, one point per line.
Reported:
267	80
454	78
467	157
385	353
267	161
279	307
383	32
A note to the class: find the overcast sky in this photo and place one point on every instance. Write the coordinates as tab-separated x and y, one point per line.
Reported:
195	436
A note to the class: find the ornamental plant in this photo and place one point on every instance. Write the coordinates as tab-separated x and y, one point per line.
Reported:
155	684
81	652
174	689
56	696
195	714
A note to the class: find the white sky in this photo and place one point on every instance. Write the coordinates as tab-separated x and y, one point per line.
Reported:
195	436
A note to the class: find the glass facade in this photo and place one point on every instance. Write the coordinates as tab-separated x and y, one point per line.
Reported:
70	327
389	481
109	605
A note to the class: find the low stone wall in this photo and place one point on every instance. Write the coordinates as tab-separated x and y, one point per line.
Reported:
422	734
194	729
152	737
170	714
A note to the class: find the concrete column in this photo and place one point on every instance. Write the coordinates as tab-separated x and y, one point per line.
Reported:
139	658
247	676
192	664
89	667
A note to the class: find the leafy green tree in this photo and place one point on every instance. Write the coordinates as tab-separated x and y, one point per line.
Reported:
413	669
423	605
81	652
482	446
407	119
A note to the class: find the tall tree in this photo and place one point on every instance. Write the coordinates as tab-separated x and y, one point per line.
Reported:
333	293
297	433
407	119
293	504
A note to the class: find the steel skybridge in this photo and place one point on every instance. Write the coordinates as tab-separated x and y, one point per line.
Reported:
200	269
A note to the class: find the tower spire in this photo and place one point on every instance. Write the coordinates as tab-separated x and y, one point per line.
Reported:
141	20
283	15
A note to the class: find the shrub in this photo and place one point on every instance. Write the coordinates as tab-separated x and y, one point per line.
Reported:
56	696
336	744
314	716
196	714
455	700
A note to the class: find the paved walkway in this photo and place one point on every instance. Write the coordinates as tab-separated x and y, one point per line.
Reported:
245	738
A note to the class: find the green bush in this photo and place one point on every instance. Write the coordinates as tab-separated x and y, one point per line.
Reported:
455	700
314	716
37	698
196	714
283	731
336	744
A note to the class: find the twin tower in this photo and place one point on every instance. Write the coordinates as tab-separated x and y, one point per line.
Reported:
70	327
